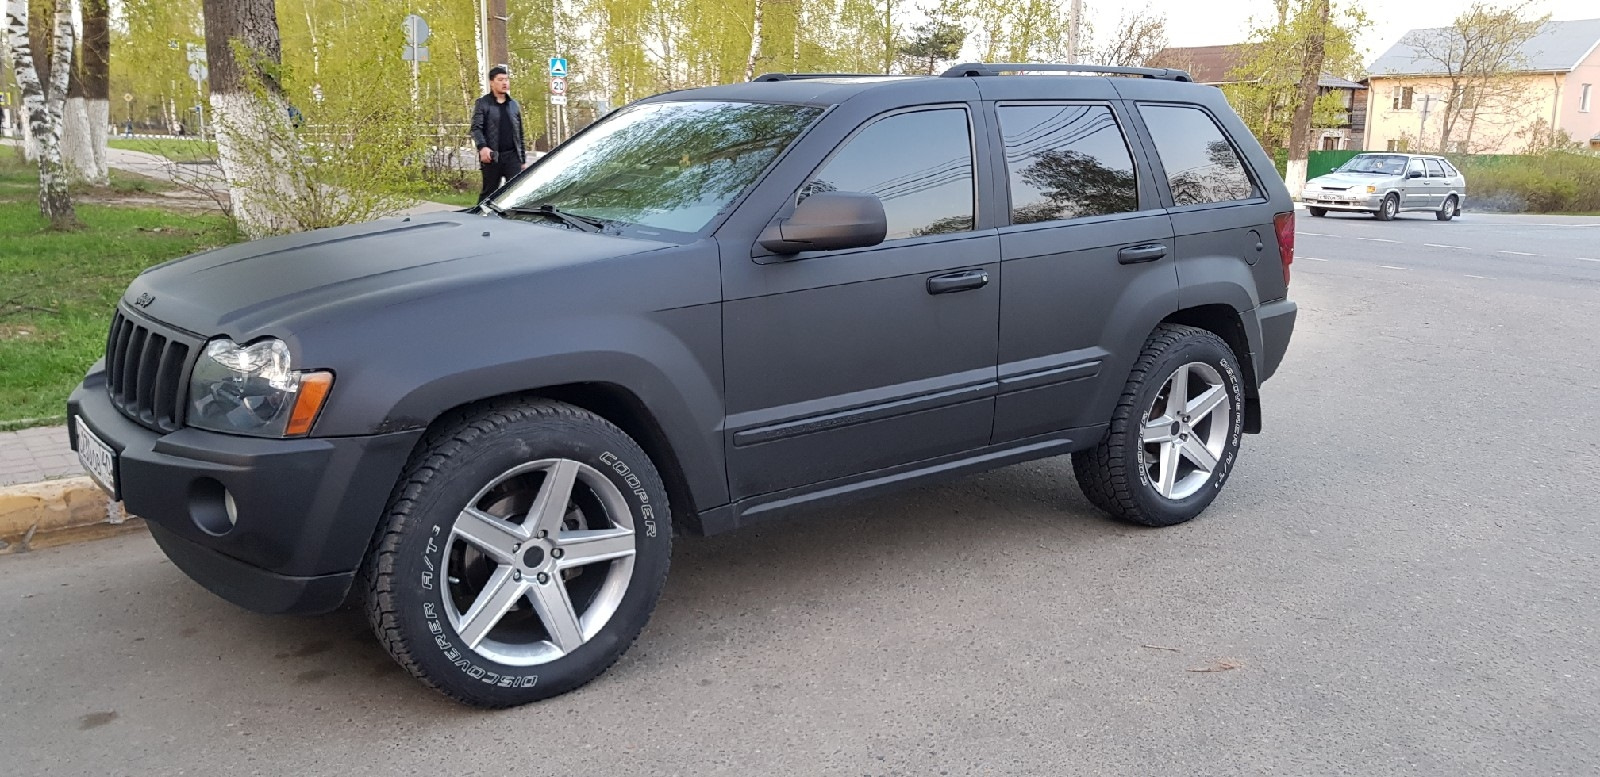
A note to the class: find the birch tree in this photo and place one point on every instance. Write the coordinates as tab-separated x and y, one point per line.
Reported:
43	101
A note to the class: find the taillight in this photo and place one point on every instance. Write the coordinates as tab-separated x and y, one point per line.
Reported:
1283	224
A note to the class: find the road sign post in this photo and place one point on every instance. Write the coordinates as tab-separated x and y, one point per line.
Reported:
414	51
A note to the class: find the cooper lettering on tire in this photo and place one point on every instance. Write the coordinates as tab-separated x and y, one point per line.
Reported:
522	554
1175	434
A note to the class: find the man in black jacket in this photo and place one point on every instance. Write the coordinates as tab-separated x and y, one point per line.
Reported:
497	132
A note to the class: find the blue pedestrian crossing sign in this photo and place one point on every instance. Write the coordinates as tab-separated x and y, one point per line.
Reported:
558	67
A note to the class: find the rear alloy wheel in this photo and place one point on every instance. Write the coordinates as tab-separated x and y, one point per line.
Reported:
1317	213
1448	210
1175	434
523	553
1389	209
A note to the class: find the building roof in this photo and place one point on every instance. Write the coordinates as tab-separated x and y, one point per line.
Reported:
1559	47
1214	64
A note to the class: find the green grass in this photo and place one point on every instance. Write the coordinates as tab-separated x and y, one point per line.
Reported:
59	289
171	148
463	199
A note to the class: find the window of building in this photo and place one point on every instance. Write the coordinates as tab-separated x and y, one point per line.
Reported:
1202	167
1402	145
1401	97
919	164
1066	162
1583	98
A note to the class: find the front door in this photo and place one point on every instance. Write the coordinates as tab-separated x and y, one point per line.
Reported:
840	363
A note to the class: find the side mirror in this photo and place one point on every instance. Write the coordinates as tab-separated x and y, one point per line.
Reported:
829	221
1415	174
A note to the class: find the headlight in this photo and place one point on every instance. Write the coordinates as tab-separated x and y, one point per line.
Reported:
251	390
1372	190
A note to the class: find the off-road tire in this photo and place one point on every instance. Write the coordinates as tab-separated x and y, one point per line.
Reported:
452	463
1112	474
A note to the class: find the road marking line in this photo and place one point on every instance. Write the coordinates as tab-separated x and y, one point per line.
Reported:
1436	245
1312	234
1390	267
1480	277
1587	259
1515	253
1378	239
1313	259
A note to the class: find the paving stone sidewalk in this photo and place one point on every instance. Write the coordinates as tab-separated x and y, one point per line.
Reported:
32	455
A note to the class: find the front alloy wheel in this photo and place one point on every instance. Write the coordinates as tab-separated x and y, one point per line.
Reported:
523	552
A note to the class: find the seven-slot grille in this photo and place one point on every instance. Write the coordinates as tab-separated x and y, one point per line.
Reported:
145	372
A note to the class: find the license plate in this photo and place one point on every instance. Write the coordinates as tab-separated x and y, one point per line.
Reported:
97	458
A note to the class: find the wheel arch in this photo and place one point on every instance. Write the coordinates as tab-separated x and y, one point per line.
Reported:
617	405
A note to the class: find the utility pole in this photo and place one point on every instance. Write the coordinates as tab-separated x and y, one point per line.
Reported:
1074	31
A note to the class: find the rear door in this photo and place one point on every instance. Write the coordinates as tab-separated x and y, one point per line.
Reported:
1414	191
1088	252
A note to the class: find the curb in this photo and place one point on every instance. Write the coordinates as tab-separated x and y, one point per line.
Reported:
59	512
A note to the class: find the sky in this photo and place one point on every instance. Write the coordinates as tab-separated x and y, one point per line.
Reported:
1191	23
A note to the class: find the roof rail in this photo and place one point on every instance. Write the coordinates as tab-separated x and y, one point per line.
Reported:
971	69
804	76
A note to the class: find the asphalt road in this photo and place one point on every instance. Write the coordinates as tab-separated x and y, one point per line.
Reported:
1400	579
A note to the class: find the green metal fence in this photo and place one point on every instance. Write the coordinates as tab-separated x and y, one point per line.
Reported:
1323	162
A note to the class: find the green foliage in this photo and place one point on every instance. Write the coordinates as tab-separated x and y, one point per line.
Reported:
1556	181
1265	85
58	289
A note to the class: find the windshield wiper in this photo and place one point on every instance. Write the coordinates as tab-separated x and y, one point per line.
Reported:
493	207
584	223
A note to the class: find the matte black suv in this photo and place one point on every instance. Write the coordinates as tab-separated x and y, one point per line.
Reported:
711	307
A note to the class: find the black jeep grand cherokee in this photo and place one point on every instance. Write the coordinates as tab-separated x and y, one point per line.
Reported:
713	306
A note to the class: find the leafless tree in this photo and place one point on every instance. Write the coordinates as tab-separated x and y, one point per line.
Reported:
1137	39
1475	55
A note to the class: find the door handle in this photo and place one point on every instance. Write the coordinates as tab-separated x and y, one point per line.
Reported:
958	281
1145	253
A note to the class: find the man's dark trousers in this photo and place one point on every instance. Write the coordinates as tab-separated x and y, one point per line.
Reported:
503	168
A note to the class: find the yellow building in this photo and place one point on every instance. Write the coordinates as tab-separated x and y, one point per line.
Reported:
1557	85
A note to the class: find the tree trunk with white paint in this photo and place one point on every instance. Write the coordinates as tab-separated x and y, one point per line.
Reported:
96	73
43	102
254	139
1310	73
77	148
755	45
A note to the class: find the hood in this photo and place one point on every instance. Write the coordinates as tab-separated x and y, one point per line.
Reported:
283	282
1344	180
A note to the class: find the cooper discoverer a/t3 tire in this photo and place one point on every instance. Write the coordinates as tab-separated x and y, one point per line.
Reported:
522	553
1175	433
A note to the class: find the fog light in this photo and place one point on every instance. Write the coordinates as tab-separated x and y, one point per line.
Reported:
212	507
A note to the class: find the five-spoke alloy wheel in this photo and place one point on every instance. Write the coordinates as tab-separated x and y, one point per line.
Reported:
522	554
1174	435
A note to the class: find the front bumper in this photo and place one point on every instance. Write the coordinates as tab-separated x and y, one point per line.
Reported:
306	508
1351	201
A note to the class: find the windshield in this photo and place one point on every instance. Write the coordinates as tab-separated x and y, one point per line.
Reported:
667	165
1374	163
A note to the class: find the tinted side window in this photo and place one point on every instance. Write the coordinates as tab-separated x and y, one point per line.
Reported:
1066	162
919	164
1201	166
1434	170
1448	169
